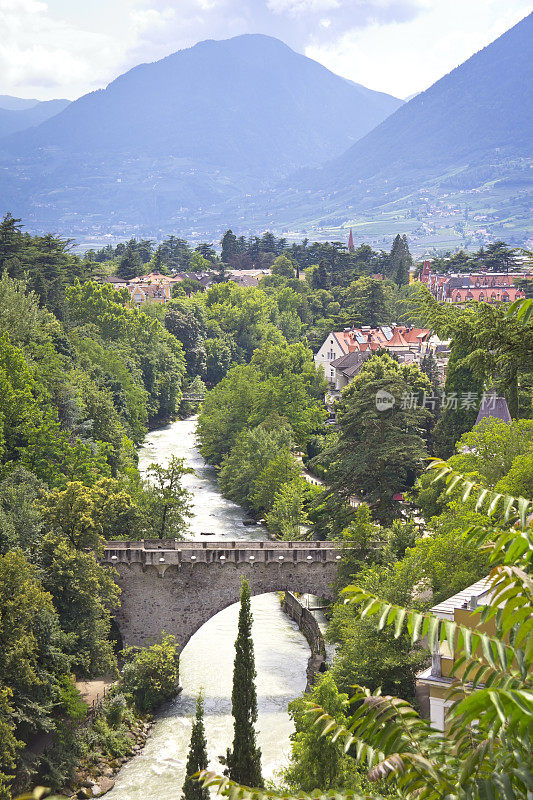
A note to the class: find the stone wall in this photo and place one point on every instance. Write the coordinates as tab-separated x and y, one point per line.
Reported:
176	586
311	630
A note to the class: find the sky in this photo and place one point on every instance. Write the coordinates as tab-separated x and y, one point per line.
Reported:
65	48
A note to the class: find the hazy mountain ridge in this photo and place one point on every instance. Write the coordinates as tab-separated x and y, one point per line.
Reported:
197	127
18	116
479	114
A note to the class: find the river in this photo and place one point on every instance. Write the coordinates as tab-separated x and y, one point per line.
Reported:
206	663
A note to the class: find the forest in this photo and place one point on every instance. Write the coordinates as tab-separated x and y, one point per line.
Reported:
83	377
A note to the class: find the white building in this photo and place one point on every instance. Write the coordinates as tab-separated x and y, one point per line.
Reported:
362	342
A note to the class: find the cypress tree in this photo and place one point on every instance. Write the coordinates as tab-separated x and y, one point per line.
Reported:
244	760
197	758
130	264
229	247
400	260
320	277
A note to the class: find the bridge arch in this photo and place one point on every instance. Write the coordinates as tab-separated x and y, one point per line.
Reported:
176	587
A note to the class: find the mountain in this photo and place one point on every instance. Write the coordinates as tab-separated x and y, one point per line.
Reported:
16	103
465	141
205	124
14	119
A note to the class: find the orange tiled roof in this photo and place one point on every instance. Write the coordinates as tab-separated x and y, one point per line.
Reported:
384	337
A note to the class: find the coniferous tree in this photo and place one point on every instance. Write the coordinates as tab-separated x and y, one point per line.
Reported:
130	264
380	448
206	250
320	277
400	260
10	239
462	391
229	247
197	758
244	759
368	303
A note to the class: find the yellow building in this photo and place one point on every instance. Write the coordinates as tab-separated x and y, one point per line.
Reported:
436	680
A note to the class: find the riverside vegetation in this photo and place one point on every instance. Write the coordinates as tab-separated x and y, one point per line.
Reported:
83	376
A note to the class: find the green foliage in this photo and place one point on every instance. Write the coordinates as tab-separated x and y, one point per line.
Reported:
378	661
287	519
359	539
130	264
250	458
32	658
318	764
230	247
491	448
9	744
379	451
197	756
70	702
156	354
281	380
283	266
400	260
167	501
486	749
115	710
111	742
84	595
151	675
244	759
369	302
281	469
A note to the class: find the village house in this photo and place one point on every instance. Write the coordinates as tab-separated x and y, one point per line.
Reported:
343	352
247	277
151	288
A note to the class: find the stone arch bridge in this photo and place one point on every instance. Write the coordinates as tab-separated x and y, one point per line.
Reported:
175	586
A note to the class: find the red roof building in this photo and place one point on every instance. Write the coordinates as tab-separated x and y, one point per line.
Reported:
482	287
404	340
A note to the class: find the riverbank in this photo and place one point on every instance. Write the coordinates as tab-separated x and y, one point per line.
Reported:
98	778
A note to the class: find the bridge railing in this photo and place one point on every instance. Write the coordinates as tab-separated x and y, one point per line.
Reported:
233	544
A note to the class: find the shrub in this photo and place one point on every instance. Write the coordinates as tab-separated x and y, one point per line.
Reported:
151	675
115	709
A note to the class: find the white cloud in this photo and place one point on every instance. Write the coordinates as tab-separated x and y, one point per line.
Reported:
406	58
296	8
65	47
48	57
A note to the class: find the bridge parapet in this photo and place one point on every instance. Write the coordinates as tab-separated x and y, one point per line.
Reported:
202	578
173	552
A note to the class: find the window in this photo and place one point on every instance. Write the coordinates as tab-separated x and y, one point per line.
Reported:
481	297
458	297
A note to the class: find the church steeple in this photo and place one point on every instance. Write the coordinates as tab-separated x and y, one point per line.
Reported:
351	246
